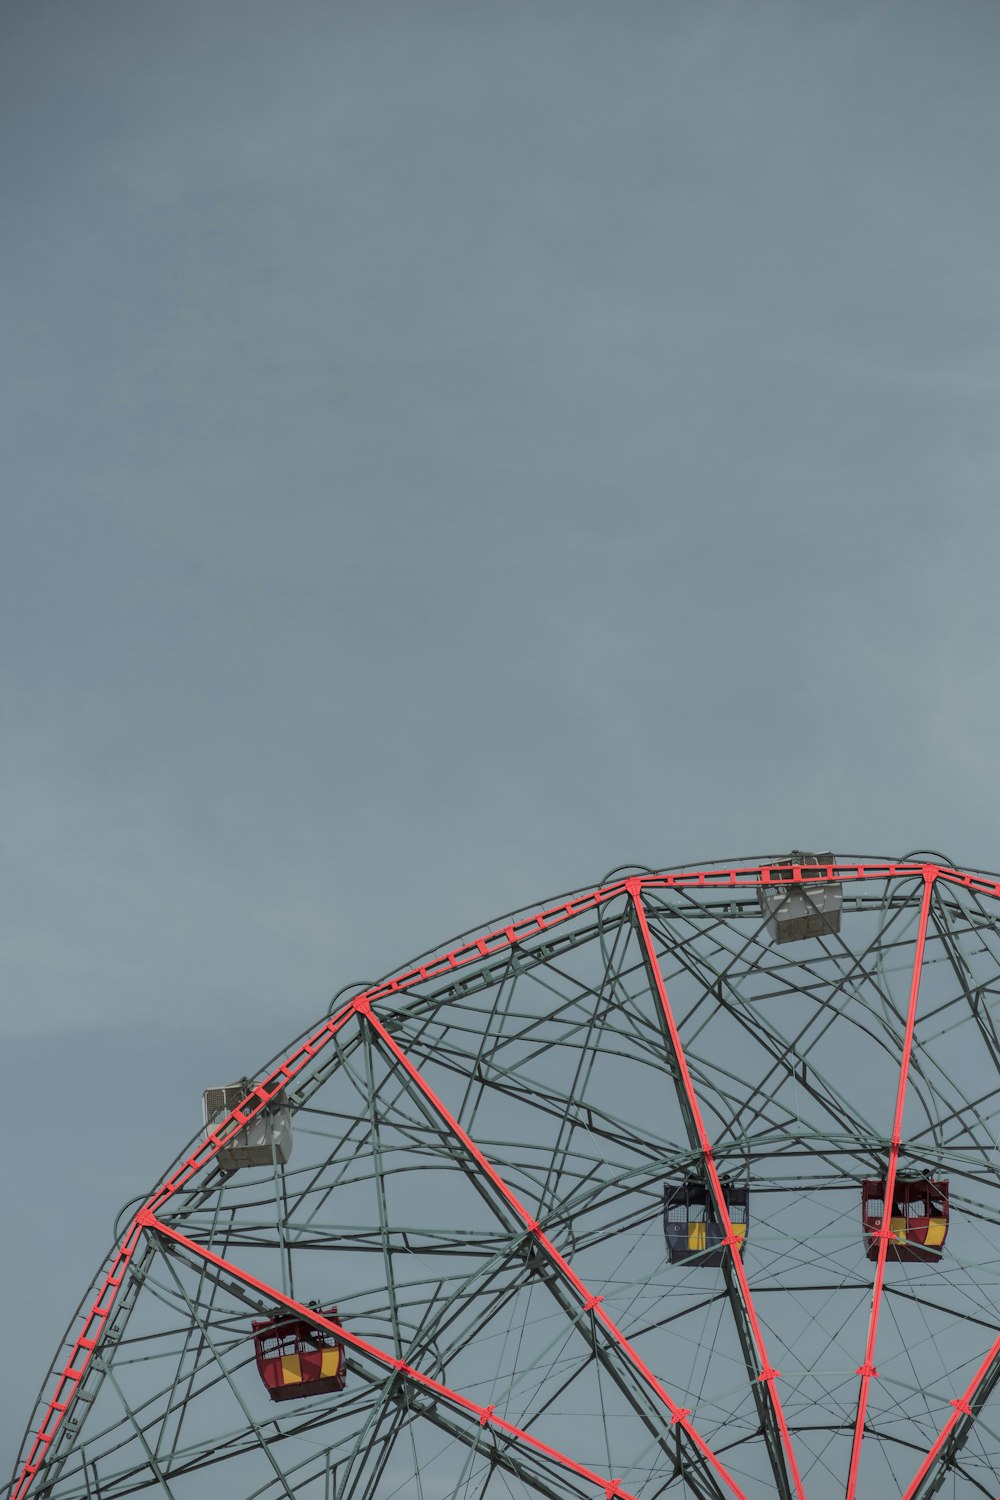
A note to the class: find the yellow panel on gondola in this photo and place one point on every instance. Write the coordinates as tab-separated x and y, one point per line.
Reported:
692	1221
936	1231
696	1237
331	1363
291	1369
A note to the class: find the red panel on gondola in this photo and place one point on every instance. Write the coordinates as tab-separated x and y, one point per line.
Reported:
296	1359
917	1223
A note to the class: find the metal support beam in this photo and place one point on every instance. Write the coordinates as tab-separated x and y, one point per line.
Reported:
462	1406
763	1378
956	1431
867	1370
582	1300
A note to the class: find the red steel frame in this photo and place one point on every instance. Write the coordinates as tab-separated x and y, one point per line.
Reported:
768	1375
867	1370
495	942
486	1415
962	1408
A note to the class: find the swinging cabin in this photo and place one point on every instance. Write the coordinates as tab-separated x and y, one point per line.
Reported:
918	1220
806	908
691	1225
295	1359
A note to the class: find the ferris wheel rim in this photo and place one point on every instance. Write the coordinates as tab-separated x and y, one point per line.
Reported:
740	875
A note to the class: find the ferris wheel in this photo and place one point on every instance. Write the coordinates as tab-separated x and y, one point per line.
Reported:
685	1184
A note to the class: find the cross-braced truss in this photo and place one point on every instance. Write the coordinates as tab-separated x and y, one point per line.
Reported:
481	1147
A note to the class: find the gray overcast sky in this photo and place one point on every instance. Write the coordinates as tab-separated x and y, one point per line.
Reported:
452	450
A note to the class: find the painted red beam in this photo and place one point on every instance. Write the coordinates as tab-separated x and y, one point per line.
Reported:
75	1367
751	876
679	1416
866	1369
961	1407
69	1378
768	1375
981	884
486	1416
